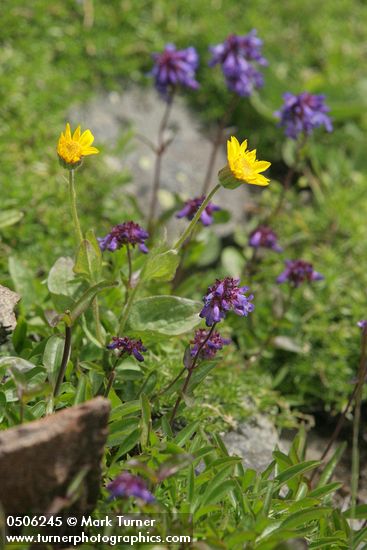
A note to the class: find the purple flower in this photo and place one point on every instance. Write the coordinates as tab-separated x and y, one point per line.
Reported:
297	272
238	56
130	346
223	296
301	113
193	205
124	234
264	237
362	324
128	485
174	68
211	346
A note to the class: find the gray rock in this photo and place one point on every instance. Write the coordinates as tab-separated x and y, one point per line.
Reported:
254	441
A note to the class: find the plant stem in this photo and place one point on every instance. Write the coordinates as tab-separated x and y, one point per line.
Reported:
159	150
127	307
129	263
64	360
187	233
74	211
170	384
111	378
217	142
189	374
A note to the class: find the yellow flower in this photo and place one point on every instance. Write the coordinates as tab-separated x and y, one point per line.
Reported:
72	148
242	166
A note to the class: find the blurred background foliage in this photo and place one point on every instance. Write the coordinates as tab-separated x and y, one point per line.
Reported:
54	55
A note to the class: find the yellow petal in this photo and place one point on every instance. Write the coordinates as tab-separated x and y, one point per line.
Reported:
76	134
261	165
243	146
67	131
259	180
86	138
90	151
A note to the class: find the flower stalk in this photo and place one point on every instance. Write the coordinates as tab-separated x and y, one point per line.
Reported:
64	359
159	151
73	207
190	369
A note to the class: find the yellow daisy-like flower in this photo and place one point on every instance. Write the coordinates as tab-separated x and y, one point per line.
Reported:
242	166
72	148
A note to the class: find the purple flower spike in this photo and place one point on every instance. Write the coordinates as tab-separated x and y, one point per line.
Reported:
124	234
210	348
301	114
193	205
264	237
128	485
362	324
238	56
223	296
297	272
128	346
173	68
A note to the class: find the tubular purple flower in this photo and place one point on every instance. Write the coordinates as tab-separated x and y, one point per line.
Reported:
264	237
130	346
362	324
173	68
223	296
123	234
301	114
238	56
128	485
211	346
297	272
192	206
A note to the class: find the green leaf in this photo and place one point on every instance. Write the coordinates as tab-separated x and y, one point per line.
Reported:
297	470
131	440
331	465
161	266
168	315
82	305
325	490
233	261
61	276
52	357
305	516
10	217
185	434
89	258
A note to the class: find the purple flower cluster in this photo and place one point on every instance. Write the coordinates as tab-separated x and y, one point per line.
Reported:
239	56
174	68
264	237
362	324
128	485
193	205
223	296
297	272
211	346
300	114
128	233
130	346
